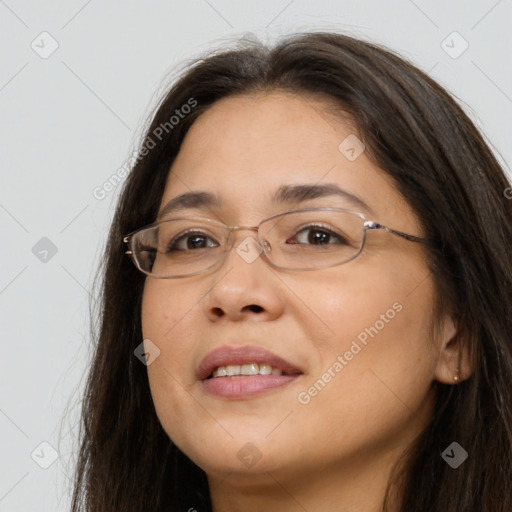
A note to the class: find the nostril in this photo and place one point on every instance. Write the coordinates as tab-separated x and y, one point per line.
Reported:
218	312
255	308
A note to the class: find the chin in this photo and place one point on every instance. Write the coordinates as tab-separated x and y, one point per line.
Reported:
237	454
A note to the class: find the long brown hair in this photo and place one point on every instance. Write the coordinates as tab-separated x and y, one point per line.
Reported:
416	132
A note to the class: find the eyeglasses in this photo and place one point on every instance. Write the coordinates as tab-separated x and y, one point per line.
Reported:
306	239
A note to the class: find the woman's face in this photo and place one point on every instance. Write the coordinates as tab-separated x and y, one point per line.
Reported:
357	333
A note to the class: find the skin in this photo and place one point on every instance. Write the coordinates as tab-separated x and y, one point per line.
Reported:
337	451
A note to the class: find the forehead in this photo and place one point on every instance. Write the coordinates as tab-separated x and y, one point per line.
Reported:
244	148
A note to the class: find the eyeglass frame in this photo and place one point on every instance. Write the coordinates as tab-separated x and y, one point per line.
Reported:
367	225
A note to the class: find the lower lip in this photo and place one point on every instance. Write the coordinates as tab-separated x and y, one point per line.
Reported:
240	387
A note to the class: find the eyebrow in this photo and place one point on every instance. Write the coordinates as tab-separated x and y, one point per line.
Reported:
284	194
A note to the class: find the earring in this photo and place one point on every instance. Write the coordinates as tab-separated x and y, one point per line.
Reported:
456	377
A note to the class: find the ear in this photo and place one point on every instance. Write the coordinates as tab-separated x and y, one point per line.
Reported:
454	364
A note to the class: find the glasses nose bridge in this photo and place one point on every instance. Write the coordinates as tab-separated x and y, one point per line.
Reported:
230	241
230	229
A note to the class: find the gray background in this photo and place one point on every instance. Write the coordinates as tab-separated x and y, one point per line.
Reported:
70	120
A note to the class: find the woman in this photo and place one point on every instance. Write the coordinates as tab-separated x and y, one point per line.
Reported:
313	309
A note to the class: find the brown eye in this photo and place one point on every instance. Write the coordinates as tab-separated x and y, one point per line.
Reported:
317	235
191	241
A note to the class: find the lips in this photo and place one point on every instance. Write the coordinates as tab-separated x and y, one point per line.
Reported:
225	356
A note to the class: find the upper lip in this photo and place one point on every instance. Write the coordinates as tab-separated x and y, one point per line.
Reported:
224	356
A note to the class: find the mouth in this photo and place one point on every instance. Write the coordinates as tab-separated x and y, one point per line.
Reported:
244	372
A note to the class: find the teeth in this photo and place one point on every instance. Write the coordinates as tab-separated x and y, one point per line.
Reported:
232	369
245	369
265	369
250	369
220	372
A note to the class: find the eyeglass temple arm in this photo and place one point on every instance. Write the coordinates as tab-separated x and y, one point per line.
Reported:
412	238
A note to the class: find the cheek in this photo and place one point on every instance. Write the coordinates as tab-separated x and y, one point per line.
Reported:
164	306
379	352
166	316
355	305
379	323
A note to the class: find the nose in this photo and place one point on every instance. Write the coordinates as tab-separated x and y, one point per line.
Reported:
244	286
